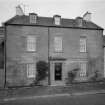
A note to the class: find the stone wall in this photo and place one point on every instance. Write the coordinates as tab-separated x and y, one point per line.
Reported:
17	57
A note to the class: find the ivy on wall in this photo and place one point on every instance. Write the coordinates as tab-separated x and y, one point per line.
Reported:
42	69
94	68
72	75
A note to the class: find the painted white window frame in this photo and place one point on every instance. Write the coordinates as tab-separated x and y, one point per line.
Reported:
31	70
83	44
57	20
31	43
33	18
58	44
83	69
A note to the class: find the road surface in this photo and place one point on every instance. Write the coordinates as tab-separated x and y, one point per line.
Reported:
96	99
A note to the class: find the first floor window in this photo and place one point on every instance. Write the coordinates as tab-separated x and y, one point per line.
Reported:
83	69
82	44
31	43
31	70
58	44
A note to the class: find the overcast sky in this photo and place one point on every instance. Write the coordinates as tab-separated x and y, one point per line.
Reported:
65	8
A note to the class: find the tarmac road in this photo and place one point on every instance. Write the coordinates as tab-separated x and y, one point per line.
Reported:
90	99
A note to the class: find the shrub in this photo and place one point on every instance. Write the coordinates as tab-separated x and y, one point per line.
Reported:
42	68
71	75
94	77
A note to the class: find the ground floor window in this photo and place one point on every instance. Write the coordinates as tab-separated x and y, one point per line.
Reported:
31	70
104	61
83	69
58	71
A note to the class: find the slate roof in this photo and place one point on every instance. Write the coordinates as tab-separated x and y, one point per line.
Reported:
48	21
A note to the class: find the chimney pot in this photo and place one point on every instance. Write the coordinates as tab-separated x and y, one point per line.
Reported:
87	16
19	11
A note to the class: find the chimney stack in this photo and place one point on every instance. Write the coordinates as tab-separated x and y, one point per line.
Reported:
19	11
87	16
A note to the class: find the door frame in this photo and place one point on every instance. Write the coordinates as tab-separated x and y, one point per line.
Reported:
52	71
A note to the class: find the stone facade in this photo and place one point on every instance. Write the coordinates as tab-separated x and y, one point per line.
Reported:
104	52
18	56
71	50
2	71
70	58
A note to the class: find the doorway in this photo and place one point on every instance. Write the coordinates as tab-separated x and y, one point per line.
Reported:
58	71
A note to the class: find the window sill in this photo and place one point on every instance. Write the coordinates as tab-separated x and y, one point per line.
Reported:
31	51
83	52
58	52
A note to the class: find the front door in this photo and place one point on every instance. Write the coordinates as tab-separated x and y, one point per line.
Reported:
58	71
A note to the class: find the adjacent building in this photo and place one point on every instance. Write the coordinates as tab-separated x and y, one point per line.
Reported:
64	44
2	71
104	52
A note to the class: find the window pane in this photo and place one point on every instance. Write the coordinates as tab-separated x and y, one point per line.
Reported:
33	18
57	20
31	43
82	44
31	70
83	70
58	44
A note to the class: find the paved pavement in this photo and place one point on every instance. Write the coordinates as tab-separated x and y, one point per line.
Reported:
90	99
53	95
37	92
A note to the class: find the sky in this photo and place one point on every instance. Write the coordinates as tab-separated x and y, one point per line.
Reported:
48	8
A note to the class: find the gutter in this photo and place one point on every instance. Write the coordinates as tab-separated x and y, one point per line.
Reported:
54	26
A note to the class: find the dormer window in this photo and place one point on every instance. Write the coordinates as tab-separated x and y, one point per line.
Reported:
33	18
57	19
79	21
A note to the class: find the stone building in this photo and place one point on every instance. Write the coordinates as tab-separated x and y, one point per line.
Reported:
104	52
64	44
2	71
